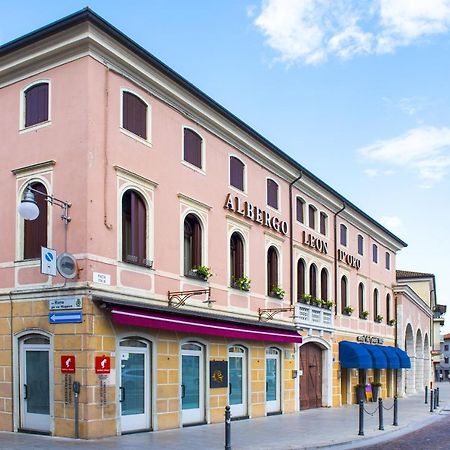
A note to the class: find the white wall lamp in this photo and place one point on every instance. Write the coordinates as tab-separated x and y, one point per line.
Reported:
29	210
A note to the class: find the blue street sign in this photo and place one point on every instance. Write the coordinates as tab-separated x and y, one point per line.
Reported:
65	317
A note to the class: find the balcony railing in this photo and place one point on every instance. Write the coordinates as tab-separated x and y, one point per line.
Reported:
309	316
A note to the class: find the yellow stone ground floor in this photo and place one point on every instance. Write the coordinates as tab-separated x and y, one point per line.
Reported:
131	378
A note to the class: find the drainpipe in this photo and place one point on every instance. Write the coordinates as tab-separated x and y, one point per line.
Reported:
291	239
336	261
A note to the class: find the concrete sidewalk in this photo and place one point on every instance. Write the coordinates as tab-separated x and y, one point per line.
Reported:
316	428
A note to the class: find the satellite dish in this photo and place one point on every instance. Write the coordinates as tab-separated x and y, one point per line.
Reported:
67	265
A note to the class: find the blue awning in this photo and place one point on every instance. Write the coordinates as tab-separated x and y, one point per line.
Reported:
393	361
379	360
405	362
354	356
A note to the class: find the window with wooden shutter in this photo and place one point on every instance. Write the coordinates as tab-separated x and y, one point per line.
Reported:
36	104
272	269
236	257
324	284
312	216
272	193
134	229
134	114
343	235
300	210
343	293
375	303
236	173
388	308
35	231
313	280
323	223
192	243
360	299
360	245
375	253
192	151
301	269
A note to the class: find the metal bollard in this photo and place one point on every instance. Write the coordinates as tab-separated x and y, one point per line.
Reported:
76	392
361	418
227	428
431	400
395	423
380	414
426	395
437	397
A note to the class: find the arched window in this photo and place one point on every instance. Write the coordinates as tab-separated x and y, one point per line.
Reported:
375	303
35	231
343	235
237	173
192	148
388	308
388	261
313	280
360	245
301	269
134	114
360	299
36	104
324	284
272	269
300	205
236	257
343	293
272	193
312	216
134	228
323	223
192	243
375	253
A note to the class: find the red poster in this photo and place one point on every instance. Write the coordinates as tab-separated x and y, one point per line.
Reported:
67	364
102	364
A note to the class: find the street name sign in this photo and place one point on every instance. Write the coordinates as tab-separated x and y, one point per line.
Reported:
56	304
65	317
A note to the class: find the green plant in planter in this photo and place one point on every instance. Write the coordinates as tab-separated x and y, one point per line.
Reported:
328	304
348	310
379	318
316	301
242	283
364	315
277	291
202	272
391	322
306	298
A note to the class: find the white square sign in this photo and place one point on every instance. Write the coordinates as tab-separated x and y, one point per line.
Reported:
48	261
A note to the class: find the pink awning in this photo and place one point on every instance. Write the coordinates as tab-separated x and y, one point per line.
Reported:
183	324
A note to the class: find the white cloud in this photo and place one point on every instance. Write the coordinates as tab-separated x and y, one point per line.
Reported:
311	30
372	173
424	150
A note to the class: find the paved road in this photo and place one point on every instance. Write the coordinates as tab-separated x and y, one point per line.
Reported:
432	437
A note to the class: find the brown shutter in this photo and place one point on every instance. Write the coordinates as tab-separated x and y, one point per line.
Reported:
272	269
313	280
236	173
388	308
300	278
141	226
300	210
343	293
134	113
239	259
192	148
36	104
323	223
324	285
272	194
35	231
312	216
196	243
360	298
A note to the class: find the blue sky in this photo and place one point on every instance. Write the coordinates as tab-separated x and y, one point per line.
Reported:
357	92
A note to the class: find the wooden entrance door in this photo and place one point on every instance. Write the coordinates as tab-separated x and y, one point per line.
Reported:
311	380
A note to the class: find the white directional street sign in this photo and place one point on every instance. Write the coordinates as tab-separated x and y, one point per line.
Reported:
48	261
65	317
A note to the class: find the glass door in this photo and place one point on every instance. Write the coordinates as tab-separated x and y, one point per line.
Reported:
237	388
273	384
35	384
134	390
192	384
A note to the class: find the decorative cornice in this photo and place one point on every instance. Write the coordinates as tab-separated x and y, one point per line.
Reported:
43	166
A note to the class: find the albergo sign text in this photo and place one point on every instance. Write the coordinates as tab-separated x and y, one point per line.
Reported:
258	215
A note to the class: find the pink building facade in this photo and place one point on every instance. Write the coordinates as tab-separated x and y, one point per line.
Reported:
211	268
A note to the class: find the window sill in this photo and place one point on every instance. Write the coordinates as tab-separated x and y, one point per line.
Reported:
242	291
135	137
199	170
195	277
35	127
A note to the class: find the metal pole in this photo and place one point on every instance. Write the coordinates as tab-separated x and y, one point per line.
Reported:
426	394
380	414
437	397
227	428
395	423
431	400
361	418
77	431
